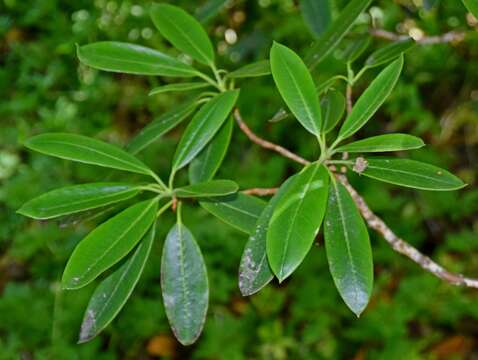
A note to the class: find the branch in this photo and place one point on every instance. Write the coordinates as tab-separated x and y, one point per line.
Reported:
373	221
452	36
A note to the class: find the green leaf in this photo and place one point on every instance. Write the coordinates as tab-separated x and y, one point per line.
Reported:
72	199
411	173
114	291
296	86
317	15
333	108
296	220
373	97
211	188
160	126
86	150
180	87
355	49
331	38
209	9
183	31
132	59
259	68
348	249
388	142
241	211
108	244
205	124
254	270
205	165
472	6
184	284
389	52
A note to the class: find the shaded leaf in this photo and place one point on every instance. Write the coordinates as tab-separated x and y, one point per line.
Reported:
183	31
86	150
184	284
203	127
209	9
207	189
317	15
296	87
411	173
371	100
239	210
108	244
333	108
331	38
132	59
160	126
114	291
254	270
389	52
296	220
259	68
180	87
348	249
72	199
205	165
387	142
355	49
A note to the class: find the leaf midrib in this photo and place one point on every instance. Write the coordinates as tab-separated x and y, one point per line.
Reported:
438	180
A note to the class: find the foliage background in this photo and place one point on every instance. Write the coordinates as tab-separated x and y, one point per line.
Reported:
412	315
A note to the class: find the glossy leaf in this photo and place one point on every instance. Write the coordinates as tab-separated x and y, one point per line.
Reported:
72	199
333	108
184	284
180	87
241	211
132	59
259	68
388	142
114	291
211	188
108	244
202	128
373	97
389	52
296	86
164	123
183	31
411	173
348	249
86	150
331	38
472	6
317	15
254	270
296	220
355	49
205	165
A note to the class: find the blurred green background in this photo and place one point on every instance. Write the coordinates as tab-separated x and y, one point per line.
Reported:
43	88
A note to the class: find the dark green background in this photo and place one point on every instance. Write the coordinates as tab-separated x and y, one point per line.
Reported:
412	315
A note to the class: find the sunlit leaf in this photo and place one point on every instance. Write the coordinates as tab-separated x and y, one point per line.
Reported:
108	244
388	142
371	100
132	59
296	220
348	249
211	188
183	31
180	87
296	86
76	198
259	68
389	52
472	6
411	173
184	284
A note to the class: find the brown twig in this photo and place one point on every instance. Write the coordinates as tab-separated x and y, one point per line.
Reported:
373	221
261	191
452	36
348	96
